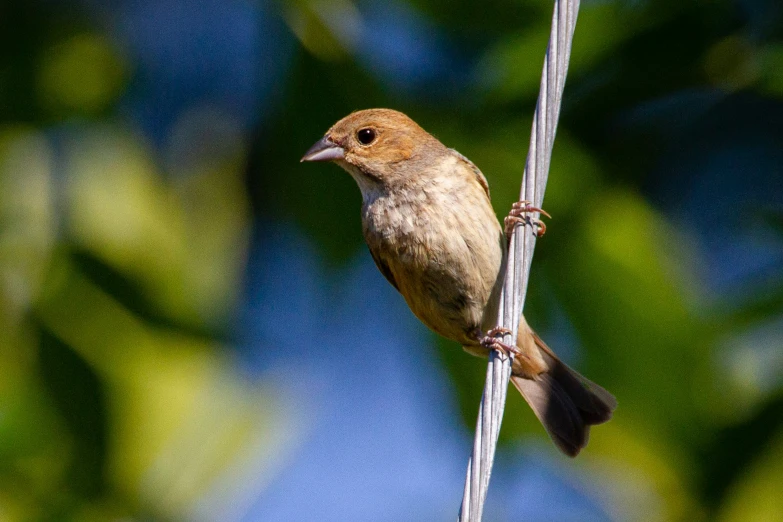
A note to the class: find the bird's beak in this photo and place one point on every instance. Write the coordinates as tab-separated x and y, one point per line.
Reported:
324	150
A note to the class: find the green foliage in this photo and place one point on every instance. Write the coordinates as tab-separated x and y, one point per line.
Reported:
121	270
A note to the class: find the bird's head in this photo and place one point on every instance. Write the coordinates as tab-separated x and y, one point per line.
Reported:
378	147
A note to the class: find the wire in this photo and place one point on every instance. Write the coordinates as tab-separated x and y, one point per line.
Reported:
520	257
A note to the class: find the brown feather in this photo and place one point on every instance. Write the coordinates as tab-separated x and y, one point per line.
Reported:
565	402
432	232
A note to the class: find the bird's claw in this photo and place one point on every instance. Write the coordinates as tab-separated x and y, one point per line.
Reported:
491	341
498	331
515	217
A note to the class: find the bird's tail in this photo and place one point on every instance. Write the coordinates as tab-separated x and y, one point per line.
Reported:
565	402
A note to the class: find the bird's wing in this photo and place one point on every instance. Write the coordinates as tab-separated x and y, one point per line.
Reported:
479	176
384	268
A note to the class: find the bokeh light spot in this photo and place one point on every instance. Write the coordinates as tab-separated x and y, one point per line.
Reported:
83	74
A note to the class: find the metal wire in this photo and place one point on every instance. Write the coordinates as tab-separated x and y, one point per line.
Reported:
520	257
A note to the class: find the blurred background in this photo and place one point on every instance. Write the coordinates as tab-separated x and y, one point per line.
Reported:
192	329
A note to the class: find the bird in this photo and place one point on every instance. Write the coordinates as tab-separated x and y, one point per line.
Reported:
430	227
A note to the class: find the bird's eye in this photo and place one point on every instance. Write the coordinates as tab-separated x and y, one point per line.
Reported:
365	136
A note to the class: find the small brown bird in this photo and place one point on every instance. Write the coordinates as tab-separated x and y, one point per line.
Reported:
430	227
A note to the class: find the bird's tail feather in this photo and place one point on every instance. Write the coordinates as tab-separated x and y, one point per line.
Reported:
565	402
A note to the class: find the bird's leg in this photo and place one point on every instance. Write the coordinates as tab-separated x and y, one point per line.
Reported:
491	341
515	217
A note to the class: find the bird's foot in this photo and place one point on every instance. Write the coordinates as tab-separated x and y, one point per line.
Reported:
491	341
517	216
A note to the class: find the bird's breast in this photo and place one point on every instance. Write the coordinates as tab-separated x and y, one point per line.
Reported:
443	247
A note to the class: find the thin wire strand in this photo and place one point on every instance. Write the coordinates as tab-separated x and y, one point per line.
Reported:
520	257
